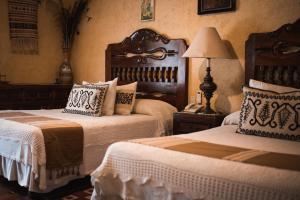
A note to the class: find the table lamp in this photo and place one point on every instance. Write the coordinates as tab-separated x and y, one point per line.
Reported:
207	44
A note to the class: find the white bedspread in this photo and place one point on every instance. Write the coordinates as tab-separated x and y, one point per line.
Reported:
135	171
24	143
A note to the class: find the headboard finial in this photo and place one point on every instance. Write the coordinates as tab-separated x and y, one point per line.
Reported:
287	29
143	35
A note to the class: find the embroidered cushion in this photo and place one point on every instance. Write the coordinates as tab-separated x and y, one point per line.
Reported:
86	100
125	98
110	97
270	114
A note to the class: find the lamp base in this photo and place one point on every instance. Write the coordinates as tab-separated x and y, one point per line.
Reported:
208	111
208	87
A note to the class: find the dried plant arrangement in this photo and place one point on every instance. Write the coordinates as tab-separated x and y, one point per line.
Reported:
68	19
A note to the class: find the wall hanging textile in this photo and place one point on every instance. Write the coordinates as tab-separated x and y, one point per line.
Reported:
23	18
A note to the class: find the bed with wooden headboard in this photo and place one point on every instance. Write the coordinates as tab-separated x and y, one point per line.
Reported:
199	165
155	62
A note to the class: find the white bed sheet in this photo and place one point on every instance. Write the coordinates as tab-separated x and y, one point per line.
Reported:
137	172
99	133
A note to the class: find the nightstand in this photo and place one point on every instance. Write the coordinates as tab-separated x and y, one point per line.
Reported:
185	122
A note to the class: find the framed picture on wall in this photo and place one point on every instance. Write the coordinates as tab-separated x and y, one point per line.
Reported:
215	6
147	10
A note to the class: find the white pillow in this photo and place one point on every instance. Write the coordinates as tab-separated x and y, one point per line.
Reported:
232	119
110	98
86	100
160	109
125	98
270	87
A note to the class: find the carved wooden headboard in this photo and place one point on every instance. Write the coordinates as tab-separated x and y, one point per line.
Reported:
274	57
155	62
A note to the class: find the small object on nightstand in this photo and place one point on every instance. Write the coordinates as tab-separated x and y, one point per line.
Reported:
193	108
199	97
185	122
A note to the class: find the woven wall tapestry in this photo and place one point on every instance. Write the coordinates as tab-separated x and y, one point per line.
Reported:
23	17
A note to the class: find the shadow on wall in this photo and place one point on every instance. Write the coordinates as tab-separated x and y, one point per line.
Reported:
230	76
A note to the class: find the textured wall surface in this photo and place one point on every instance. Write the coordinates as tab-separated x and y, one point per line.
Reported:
115	19
41	68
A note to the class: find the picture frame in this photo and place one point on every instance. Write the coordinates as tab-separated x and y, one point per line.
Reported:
215	6
147	10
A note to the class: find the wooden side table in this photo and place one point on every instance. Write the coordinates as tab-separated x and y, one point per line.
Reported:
33	96
184	122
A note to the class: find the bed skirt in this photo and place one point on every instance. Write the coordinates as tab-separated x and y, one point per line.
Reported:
17	171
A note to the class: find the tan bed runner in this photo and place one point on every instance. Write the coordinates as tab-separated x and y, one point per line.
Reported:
251	156
63	140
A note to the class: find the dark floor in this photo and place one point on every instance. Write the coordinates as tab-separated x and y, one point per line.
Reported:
80	189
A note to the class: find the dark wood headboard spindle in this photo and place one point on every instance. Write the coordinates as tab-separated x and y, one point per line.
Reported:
152	74
274	57
155	62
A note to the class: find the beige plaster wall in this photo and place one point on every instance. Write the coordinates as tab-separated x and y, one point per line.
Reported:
112	20
115	19
41	68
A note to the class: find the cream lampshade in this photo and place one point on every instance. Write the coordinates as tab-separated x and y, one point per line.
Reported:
207	44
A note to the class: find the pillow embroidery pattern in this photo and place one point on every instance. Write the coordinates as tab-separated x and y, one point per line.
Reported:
269	114
86	100
124	102
124	98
